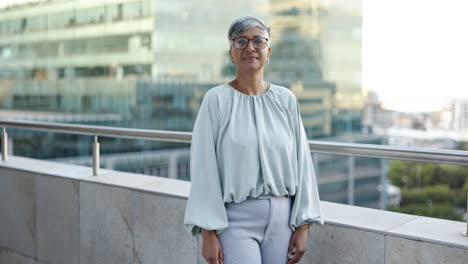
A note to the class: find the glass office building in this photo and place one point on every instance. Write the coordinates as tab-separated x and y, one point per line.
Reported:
147	64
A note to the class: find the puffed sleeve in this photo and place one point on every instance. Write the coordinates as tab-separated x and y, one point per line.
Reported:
205	205
306	206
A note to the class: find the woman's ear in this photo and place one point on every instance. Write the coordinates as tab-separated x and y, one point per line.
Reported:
232	57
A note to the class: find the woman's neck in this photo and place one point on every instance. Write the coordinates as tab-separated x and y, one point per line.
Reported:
251	84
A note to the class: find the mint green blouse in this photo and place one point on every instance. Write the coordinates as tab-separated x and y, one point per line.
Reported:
249	145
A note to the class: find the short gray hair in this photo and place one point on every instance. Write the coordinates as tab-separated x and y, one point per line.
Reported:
242	24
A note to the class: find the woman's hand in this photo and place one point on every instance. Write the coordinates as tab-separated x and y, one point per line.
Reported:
211	248
299	242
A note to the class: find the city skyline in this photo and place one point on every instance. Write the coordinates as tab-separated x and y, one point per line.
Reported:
412	64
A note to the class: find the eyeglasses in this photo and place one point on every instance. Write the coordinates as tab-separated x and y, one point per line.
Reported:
257	42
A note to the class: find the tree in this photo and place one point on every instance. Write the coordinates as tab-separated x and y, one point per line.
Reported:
410	174
429	189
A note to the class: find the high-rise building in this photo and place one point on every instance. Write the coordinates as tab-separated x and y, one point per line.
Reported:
341	41
127	63
66	39
317	46
148	63
374	115
460	115
296	62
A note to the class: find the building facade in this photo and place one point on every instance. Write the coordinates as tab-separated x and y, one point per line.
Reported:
148	63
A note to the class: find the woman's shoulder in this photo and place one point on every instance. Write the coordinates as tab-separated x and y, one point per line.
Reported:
285	95
283	91
219	92
216	98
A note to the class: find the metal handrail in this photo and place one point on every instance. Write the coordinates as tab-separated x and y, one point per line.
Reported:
120	132
443	156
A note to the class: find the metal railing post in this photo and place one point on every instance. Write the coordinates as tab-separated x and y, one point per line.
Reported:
466	231
95	157
383	184
351	180
4	145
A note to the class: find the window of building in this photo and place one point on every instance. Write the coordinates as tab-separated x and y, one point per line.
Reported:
137	70
85	103
146	8
90	16
114	12
131	10
23	24
37	23
91	71
14	26
5	51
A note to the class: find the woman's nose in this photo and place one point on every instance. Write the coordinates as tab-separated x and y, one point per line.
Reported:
250	45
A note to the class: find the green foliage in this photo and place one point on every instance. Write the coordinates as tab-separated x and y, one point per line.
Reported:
429	189
435	194
463	145
460	196
409	174
443	211
457	175
400	172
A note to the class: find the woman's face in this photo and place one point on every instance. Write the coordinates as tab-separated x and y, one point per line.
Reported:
250	58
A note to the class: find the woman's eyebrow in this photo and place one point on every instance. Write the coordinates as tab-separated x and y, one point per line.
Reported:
254	36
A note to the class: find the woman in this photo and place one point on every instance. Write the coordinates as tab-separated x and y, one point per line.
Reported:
253	192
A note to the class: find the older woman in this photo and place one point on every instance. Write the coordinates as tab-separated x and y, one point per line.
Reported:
253	192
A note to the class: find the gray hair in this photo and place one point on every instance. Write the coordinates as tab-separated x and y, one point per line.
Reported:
242	24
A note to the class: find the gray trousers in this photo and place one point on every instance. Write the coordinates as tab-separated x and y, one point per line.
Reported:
258	231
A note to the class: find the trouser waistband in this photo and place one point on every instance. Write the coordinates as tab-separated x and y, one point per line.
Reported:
269	196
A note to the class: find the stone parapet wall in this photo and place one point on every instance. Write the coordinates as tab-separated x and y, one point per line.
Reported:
57	213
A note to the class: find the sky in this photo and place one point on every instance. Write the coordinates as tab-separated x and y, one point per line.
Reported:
414	53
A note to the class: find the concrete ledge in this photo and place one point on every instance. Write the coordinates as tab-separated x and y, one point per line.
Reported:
119	217
418	228
132	181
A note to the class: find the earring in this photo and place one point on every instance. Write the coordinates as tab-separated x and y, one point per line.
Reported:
268	60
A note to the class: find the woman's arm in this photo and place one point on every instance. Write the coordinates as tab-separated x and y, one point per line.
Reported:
205	205
306	207
211	247
298	242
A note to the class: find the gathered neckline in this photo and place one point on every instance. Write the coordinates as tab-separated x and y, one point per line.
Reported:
250	95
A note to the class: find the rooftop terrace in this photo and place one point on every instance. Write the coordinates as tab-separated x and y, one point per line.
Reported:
59	213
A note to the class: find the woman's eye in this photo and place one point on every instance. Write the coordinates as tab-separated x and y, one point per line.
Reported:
258	41
241	42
